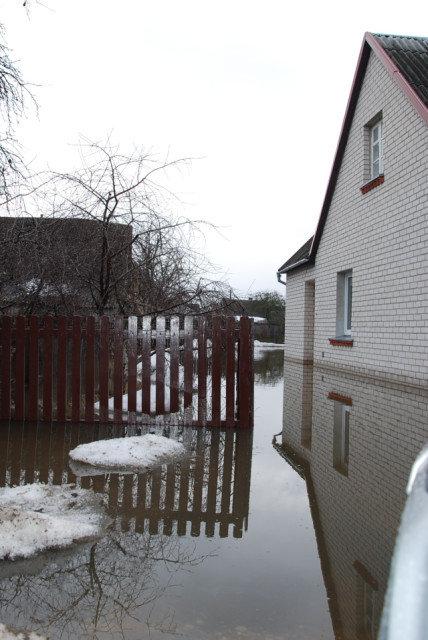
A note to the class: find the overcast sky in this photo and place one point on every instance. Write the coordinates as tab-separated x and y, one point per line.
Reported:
257	90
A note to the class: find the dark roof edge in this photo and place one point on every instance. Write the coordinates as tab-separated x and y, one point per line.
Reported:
369	44
294	265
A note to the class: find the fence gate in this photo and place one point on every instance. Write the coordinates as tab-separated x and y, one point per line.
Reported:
179	369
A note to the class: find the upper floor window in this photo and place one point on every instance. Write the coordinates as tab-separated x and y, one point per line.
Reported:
344	304
376	150
347	311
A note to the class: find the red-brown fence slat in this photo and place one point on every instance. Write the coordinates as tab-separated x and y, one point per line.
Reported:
132	363
6	343
160	365
245	371
202	371
47	369
104	367
188	361
75	368
226	480
230	371
33	369
20	368
212	482
90	369
61	388
118	369
174	346
146	363
216	371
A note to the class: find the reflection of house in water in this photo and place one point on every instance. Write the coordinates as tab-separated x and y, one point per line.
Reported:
209	488
354	441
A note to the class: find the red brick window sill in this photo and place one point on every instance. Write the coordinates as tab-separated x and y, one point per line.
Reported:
372	184
338	397
341	342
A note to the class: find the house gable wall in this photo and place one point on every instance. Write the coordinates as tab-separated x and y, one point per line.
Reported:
383	237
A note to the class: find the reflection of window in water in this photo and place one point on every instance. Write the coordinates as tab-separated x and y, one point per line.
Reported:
366	592
341	437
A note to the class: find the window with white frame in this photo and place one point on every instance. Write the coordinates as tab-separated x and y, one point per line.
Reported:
341	437
344	304
376	150
347	302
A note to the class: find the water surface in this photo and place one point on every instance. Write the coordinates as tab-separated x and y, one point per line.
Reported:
240	540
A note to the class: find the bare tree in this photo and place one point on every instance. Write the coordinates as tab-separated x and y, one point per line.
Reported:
100	588
14	95
108	241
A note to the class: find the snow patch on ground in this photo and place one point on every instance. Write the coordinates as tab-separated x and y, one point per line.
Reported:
35	517
128	454
8	634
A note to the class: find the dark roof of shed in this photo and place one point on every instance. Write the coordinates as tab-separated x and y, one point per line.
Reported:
410	54
301	254
405	58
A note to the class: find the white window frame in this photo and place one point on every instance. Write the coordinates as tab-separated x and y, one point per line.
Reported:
377	128
347	304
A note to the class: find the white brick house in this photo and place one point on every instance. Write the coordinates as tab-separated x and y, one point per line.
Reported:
357	292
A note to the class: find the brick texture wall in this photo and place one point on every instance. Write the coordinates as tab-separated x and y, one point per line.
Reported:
383	237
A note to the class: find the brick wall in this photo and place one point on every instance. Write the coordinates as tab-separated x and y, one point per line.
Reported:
383	237
295	324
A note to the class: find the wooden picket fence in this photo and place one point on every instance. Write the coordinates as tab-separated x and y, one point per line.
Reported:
81	369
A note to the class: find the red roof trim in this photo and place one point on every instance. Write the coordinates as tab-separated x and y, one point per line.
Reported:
369	44
396	75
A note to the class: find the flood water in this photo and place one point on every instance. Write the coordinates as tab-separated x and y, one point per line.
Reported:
242	539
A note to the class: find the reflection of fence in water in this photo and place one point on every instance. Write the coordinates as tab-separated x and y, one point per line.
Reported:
211	487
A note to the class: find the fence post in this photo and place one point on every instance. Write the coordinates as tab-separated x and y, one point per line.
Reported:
202	372
160	365
104	367
33	370
118	369
61	390
20	368
132	364
5	367
188	368
216	371
146	364
174	384
75	369
47	369
245	376
230	371
90	369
